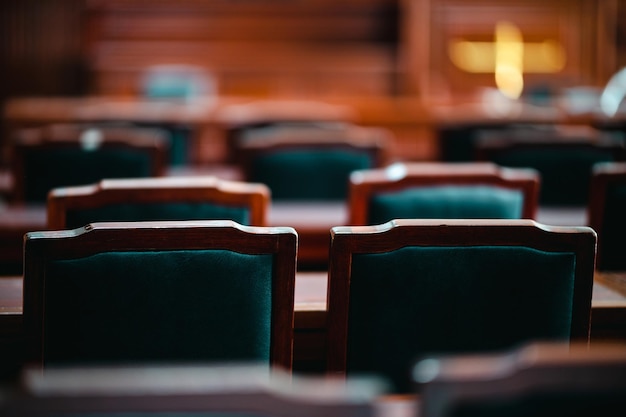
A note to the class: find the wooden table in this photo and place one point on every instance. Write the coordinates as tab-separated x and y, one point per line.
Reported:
312	221
15	221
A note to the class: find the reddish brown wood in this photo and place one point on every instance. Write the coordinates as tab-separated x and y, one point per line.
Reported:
210	189
556	372
367	183
603	177
281	242
347	241
59	136
374	141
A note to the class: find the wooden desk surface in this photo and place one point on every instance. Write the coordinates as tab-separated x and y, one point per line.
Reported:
609	290
312	221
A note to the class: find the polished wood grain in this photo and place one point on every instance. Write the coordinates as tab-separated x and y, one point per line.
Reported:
349	241
180	189
603	177
150	142
582	380
365	184
41	247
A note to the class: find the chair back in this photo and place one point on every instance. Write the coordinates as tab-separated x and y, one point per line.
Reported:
165	198
537	379
64	155
564	161
185	391
242	119
442	190
160	291
312	164
606	214
406	288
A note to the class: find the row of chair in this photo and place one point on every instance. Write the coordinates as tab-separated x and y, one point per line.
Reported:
538	379
202	290
88	328
298	160
417	190
401	190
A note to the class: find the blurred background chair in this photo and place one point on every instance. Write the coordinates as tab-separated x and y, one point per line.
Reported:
185	391
244	119
538	379
607	214
166	198
186	291
442	190
311	163
564	158
408	288
62	155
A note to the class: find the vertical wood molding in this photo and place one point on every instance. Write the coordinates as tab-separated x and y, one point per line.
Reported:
414	46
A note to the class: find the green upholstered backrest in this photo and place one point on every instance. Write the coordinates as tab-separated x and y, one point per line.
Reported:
309	174
200	305
49	169
431	300
446	202
179	137
613	256
565	172
157	211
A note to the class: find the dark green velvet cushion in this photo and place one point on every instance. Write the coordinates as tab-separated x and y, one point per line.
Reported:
613	255
315	174
157	211
205	305
417	300
565	173
179	137
67	167
447	202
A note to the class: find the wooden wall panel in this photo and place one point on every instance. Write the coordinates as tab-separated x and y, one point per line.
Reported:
574	24
40	47
300	48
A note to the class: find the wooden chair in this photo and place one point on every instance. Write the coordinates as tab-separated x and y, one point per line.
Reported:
160	292
166	198
442	190
63	155
176	390
407	288
538	379
243	119
607	214
312	164
564	161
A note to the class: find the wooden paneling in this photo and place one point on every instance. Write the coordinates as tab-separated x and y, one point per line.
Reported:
305	48
40	45
286	48
573	24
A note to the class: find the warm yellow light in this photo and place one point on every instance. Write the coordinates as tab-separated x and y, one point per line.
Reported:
508	57
509	60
